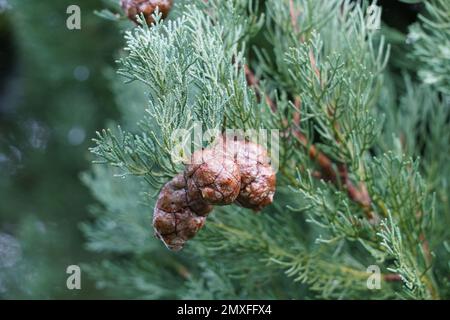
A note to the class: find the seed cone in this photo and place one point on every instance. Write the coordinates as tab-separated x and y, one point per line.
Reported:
174	220
133	8
258	179
231	171
215	176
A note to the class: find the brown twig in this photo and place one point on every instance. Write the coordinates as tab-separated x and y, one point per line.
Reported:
252	81
294	15
429	261
392	277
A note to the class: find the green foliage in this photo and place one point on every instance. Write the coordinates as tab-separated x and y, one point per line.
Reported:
431	43
320	235
55	98
189	79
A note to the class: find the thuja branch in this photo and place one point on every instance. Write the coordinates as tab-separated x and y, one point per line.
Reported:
291	261
338	177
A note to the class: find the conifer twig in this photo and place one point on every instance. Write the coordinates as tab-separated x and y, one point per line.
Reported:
357	194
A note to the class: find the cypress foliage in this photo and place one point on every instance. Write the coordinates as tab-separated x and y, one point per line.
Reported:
364	154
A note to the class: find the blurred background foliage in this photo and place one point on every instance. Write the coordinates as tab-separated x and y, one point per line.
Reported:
55	91
54	94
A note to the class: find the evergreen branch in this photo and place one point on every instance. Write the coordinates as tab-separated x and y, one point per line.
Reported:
419	286
359	195
430	42
322	88
303	266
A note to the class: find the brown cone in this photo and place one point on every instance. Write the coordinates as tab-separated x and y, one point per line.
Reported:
236	171
174	220
215	176
258	180
133	8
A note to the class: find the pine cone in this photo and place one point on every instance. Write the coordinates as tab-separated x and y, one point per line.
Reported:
258	180
231	171
215	176
133	8
174	220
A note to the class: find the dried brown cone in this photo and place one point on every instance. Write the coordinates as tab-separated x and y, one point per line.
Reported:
133	8
214	176
231	171
174	221
258	179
